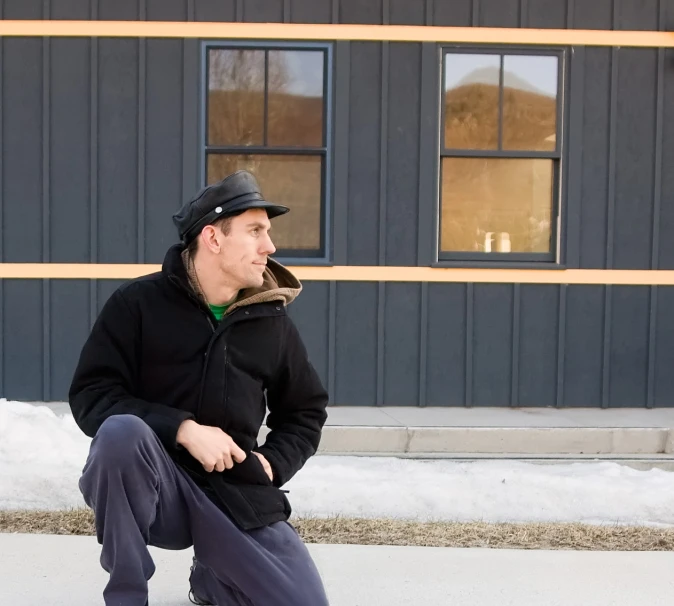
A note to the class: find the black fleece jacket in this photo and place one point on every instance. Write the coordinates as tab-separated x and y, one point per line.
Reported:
157	352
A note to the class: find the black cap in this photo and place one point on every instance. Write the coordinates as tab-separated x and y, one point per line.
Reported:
234	194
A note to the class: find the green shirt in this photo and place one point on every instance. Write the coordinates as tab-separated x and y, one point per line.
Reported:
219	310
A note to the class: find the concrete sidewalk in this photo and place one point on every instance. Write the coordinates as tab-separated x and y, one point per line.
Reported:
43	570
639	436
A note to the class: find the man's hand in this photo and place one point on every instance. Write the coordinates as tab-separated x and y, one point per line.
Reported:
266	465
211	446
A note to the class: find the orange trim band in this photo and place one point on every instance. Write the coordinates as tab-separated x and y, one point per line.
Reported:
101	271
305	31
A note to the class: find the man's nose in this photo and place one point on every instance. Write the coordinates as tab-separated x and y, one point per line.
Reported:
269	247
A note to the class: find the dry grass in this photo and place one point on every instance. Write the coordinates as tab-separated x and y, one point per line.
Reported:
396	532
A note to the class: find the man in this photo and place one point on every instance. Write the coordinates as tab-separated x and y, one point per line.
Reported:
173	385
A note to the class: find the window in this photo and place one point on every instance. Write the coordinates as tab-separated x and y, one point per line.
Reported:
267	112
500	155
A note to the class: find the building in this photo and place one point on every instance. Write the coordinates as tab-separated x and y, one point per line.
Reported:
481	217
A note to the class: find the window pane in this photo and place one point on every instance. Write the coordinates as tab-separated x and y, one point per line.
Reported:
295	103
496	205
530	103
294	181
471	101
236	97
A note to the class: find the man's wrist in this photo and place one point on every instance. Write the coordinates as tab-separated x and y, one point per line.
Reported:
182	437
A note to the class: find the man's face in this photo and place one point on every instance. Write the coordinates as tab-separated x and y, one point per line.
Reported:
244	251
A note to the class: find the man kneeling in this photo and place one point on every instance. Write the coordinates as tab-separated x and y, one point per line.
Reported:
173	384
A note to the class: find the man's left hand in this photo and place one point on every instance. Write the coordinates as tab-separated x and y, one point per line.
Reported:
266	465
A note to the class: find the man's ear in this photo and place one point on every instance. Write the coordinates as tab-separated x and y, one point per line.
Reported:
209	238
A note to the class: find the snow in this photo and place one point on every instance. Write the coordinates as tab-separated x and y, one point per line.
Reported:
42	455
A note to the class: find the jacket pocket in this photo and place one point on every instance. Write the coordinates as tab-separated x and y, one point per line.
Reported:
249	471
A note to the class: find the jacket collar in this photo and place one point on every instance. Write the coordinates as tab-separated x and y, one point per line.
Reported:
279	283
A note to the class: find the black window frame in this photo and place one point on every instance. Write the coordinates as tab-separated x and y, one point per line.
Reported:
558	157
322	256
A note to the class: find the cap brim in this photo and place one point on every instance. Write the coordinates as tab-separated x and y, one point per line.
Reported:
273	210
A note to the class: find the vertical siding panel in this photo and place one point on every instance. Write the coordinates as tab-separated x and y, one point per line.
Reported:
447	344
163	10
192	176
118	136
499	13
407	12
310	314
2	207
423	345
311	11
428	169
493	344
164	147
629	347
597	14
470	341
70	193
638	15
657	203
515	354
595	161
401	219
458	13
583	346
215	10
263	11
664	346
93	168
475	13
46	193
539	346
544	13
606	353
332	340
141	136
561	345
341	130
357	11
571	207
401	351
356	344
383	190
610	218
23	205
634	157
364	148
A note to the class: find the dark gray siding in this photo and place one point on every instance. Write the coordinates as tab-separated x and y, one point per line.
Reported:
100	146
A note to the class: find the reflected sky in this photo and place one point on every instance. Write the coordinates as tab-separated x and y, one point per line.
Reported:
532	73
305	72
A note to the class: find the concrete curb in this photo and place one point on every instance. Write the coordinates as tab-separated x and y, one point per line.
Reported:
498	440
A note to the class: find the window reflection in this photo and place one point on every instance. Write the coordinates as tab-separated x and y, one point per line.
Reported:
291	180
236	97
529	103
295	102
472	101
496	205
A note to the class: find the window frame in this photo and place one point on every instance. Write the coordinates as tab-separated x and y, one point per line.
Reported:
558	156
323	255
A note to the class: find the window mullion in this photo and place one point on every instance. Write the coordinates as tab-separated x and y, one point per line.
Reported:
265	126
501	78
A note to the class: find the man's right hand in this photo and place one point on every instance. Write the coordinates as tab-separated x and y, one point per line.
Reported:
211	446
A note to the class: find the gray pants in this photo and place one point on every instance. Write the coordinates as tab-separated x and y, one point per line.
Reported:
141	497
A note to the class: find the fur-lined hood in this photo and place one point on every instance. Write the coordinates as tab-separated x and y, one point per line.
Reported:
279	285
